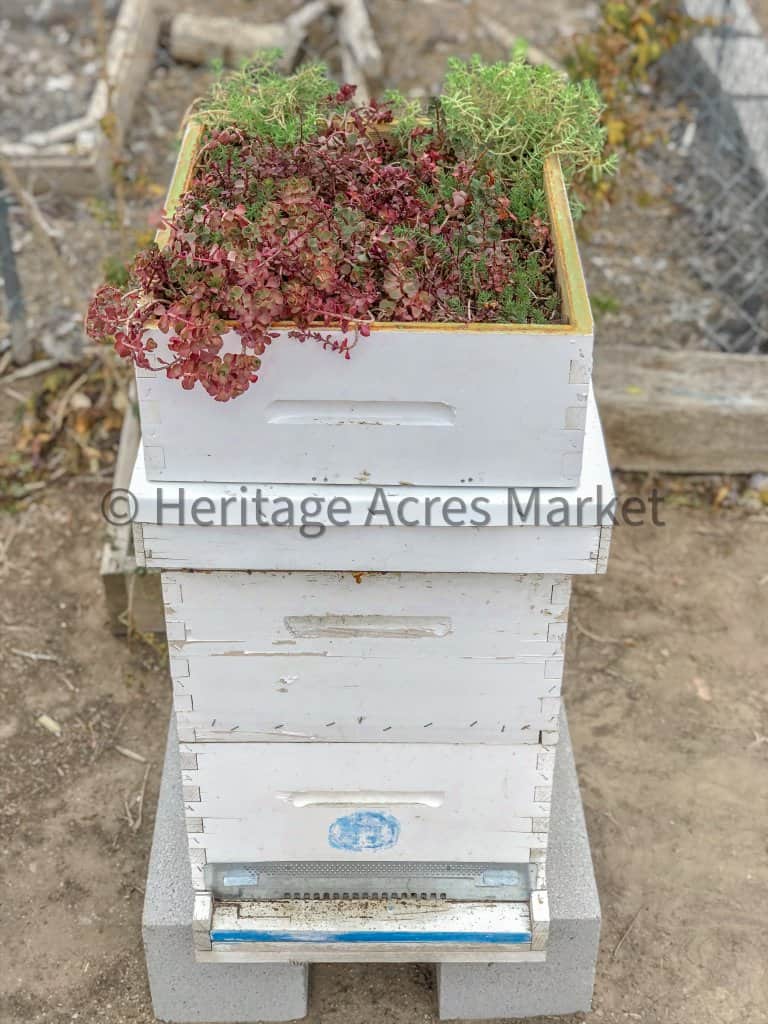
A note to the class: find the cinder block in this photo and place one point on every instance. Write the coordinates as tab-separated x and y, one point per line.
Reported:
182	989
564	983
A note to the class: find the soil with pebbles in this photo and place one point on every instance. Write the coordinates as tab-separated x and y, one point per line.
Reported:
665	686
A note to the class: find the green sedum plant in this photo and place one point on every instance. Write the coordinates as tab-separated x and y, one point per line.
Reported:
261	101
519	114
303	207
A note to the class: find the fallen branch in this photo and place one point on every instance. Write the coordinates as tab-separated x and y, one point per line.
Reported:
360	53
36	215
199	38
357	36
31	370
510	40
352	73
66	132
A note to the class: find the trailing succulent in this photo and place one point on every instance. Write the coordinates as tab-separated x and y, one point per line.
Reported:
307	209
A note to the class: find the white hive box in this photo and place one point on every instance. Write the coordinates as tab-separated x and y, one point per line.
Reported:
457	802
377	657
410	406
509	543
365	808
421	404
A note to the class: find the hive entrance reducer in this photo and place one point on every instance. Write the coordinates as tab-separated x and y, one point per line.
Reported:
301	880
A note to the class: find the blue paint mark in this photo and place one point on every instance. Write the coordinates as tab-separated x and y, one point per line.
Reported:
491	938
364	830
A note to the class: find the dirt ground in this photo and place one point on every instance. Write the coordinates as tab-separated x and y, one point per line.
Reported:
665	685
665	680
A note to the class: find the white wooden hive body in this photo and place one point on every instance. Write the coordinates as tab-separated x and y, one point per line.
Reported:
417	406
272	802
373	657
166	536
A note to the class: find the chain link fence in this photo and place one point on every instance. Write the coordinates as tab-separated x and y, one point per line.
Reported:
717	163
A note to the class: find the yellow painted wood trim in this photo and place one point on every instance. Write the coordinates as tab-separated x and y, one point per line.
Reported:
182	174
570	277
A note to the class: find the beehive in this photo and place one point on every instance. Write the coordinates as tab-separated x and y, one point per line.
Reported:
370	715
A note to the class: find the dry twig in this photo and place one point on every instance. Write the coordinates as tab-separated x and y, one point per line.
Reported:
625	933
34	655
31	370
109	740
594	636
130	754
139	801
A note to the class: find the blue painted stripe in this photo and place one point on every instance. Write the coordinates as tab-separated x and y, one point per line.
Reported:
494	938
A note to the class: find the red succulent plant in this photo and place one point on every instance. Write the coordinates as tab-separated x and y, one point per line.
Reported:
354	224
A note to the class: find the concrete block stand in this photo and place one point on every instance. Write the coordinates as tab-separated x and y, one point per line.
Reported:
182	989
564	983
186	991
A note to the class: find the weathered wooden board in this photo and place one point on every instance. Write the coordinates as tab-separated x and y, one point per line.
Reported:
203	38
76	158
683	412
369	802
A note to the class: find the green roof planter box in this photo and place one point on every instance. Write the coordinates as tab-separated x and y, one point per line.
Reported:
435	387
